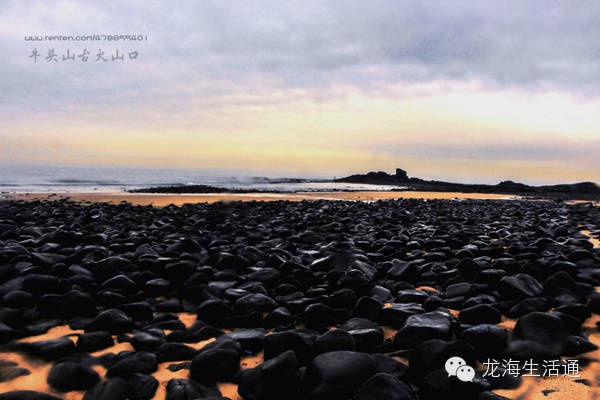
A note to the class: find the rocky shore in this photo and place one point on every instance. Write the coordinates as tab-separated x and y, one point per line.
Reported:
341	300
572	191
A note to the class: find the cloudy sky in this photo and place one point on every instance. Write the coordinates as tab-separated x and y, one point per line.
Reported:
470	91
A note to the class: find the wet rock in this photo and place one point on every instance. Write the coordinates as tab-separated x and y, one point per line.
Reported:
396	315
519	286
274	379
368	307
174	352
110	389
384	386
480	314
94	341
489	340
421	327
215	365
49	349
251	340
301	342
67	376
143	386
26	395
140	311
334	340
146	341
213	311
9	370
142	362
543	328
113	321
338	374
183	389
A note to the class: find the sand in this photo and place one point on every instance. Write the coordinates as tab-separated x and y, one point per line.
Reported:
161	200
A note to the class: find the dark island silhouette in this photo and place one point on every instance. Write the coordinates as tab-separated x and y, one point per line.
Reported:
566	191
579	191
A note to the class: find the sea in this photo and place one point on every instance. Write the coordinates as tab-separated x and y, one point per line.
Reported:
70	179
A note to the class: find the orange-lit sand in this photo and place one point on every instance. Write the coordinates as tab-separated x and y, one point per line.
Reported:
161	200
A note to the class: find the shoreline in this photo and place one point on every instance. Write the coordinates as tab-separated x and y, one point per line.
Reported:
165	199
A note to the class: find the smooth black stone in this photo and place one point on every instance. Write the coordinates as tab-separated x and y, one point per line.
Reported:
94	341
579	311
388	365
17	299
26	395
411	296
367	307
337	339
519	286
6	332
111	389
67	376
404	271
113	321
301	342
397	313
180	366
215	365
338	374
530	350
421	327
157	287
183	389
251	340
145	341
76	303
170	306
437	384
142	361
384	386
111	299
140	311
172	351
213	311
279	317
120	283
367	340
254	302
594	302
480	314
319	316
491	396
49	349
42	284
576	345
9	370
143	386
546	329
489	340
468	268
274	379
458	290
528	305
342	298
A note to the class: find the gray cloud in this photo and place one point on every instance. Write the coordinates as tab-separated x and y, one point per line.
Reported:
529	44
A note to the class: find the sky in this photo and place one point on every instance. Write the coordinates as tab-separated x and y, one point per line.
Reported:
458	90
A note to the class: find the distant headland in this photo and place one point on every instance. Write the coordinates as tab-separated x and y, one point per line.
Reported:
580	191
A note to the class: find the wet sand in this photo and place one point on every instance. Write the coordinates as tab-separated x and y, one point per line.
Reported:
161	200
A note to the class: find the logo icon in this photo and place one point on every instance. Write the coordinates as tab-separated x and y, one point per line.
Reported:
456	366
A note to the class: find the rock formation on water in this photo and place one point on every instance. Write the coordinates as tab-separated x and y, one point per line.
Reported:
581	190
